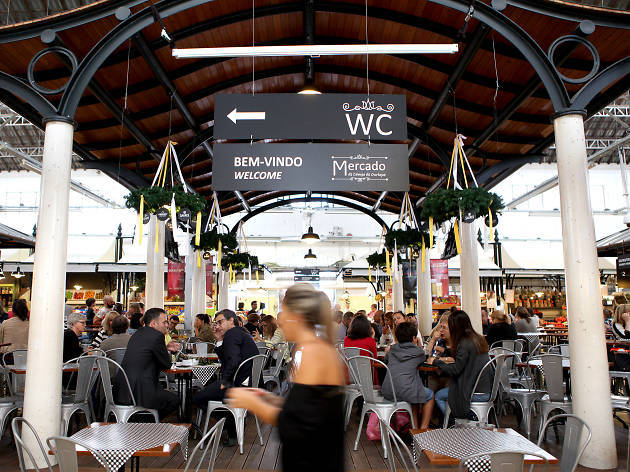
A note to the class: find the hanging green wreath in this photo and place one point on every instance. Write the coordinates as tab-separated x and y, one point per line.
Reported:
157	197
239	260
444	204
406	238
377	259
209	241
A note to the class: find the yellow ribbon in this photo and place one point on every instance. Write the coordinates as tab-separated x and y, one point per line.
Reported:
491	226
448	181
430	231
230	273
163	170
157	234
198	259
141	220
369	273
219	254
461	157
387	266
457	240
198	236
423	255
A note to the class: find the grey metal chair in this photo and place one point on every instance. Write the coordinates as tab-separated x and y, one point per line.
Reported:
372	402
482	408
118	354
122	413
65	450
211	441
572	446
400	450
23	448
273	374
353	389
19	362
524	397
561	349
500	461
8	405
257	363
80	399
555	398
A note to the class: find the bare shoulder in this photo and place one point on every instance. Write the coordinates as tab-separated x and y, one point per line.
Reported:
319	365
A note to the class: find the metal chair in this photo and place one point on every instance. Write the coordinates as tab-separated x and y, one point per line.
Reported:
23	448
500	461
555	398
211	441
118	354
239	414
273	374
516	345
524	397
122	413
482	408
19	362
404	456
571	448
384	409
65	450
353	389
80	399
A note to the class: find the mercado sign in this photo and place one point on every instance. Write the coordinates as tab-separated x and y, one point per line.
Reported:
312	166
325	116
306	275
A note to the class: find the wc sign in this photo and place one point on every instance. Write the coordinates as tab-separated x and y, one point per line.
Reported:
332	116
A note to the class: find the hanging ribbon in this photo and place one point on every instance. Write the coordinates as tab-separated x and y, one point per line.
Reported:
387	266
141	220
423	255
157	234
430	231
491	225
230	273
369	274
219	254
198	237
458	242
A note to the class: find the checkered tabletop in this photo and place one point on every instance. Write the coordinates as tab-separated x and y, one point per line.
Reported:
464	442
205	372
119	441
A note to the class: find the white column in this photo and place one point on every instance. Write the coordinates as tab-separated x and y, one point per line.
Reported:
195	288
42	396
469	275
189	310
155	265
589	365
223	288
423	293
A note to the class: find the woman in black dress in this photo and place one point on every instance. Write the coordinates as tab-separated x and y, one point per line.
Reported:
311	418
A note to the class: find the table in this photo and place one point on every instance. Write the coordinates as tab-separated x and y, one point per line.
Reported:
210	355
448	446
118	442
566	363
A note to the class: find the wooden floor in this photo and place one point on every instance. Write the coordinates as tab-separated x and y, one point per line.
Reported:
267	457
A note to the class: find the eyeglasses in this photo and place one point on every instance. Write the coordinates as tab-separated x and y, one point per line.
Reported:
219	321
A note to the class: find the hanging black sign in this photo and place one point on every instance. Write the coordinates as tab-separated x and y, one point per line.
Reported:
183	215
315	166
162	214
623	271
146	218
325	116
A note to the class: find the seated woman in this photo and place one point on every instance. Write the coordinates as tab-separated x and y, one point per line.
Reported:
621	322
203	329
525	324
134	313
14	331
500	328
272	335
106	329
387	336
403	360
439	341
471	354
359	335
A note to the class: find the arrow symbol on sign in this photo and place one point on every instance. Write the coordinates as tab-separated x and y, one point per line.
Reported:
245	115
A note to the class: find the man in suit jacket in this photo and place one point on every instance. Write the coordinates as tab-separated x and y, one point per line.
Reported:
233	347
145	357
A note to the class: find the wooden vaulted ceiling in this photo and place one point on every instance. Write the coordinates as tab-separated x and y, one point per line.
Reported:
501	128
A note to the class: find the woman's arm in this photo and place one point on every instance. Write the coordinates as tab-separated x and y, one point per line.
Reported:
457	367
264	405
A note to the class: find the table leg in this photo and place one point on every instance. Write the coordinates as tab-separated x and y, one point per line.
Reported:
188	397
180	397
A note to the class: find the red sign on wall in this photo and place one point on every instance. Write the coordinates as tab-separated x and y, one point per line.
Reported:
175	279
439	274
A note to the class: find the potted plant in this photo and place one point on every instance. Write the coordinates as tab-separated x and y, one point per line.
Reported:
209	241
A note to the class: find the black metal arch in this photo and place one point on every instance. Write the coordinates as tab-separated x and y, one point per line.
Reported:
279	203
598	83
27	94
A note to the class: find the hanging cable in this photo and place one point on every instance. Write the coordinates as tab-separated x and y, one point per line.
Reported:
253	41
124	109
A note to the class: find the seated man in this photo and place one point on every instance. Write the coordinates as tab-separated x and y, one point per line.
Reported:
146	356
234	345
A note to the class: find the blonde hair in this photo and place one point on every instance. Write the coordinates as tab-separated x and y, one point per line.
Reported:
312	305
107	322
500	316
620	310
443	319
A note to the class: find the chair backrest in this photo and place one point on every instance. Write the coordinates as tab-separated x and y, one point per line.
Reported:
400	450
65	450
508	365
263	350
210	445
362	366
561	349
257	363
84	378
18	434
118	354
104	364
349	352
500	461
498	365
281	348
97	351
553	372
19	359
572	446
